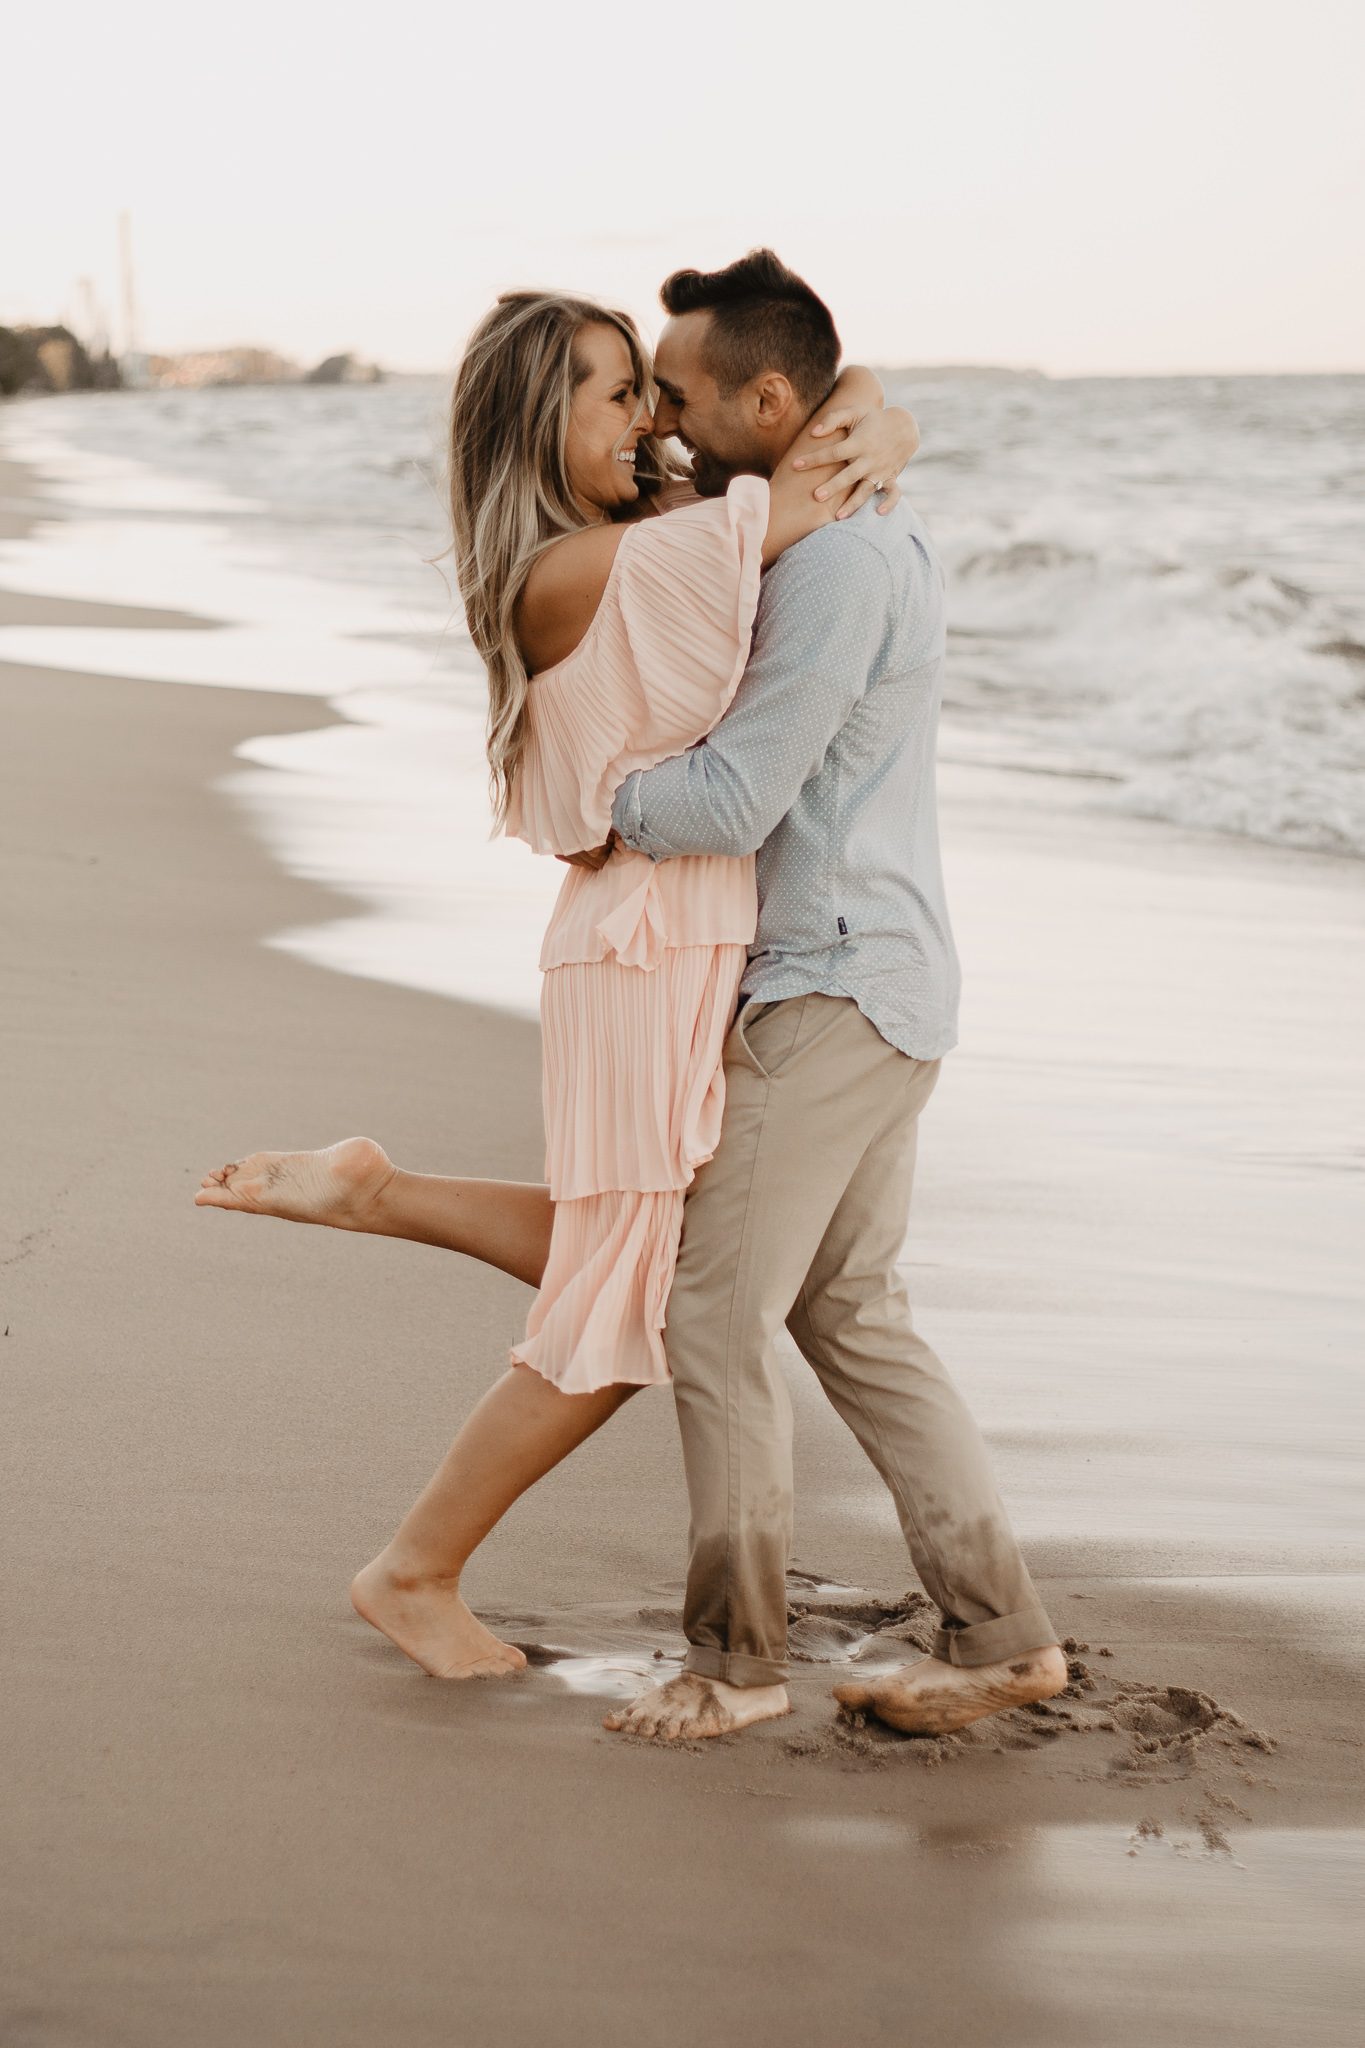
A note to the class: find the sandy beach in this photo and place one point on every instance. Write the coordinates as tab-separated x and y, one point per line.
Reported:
236	1815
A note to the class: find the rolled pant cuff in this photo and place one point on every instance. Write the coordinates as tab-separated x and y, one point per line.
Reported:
990	1642
732	1667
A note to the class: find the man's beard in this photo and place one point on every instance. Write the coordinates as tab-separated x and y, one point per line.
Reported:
710	475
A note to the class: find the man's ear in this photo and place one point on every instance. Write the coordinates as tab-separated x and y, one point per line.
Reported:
774	400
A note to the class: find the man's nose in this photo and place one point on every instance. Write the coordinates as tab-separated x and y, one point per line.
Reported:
666	417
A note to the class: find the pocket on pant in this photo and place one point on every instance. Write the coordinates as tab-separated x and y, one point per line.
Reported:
738	1051
763	1036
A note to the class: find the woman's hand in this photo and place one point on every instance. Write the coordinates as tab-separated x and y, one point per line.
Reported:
852	436
875	449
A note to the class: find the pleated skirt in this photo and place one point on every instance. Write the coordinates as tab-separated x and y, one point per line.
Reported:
634	1092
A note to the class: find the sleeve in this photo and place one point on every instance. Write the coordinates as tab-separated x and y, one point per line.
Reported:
823	621
658	670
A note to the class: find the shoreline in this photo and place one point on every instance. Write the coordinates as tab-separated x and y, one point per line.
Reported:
256	1821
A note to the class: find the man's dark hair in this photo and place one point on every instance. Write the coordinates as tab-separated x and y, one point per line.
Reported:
763	317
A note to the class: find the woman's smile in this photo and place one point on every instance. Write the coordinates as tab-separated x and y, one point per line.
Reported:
610	417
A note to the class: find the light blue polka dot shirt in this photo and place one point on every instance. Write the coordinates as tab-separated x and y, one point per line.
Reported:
825	765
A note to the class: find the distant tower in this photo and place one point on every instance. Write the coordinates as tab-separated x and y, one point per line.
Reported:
92	325
133	362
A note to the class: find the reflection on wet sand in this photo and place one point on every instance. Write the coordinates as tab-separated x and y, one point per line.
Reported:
1169	1852
1217	1903
1163	1936
1118	1938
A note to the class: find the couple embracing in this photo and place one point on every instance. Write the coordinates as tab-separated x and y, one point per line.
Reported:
715	695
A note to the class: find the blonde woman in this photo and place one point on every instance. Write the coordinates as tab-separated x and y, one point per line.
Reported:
613	607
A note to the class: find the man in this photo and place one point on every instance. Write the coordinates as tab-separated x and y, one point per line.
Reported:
825	765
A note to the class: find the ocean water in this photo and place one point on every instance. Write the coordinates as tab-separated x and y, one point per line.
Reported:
1159	581
1156	592
309	523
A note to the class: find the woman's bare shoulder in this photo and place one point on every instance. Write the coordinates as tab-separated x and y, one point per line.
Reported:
562	594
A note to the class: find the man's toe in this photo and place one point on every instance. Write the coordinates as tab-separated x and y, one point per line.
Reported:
854	1694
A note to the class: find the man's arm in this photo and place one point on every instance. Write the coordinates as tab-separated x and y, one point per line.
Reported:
823	618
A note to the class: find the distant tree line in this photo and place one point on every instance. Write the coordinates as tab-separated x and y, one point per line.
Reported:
51	359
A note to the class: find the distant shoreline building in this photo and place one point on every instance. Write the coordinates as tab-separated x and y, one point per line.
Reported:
214	367
38	360
221	366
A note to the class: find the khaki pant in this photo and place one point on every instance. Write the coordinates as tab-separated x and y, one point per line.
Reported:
801	1217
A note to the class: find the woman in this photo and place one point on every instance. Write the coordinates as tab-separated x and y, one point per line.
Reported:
613	609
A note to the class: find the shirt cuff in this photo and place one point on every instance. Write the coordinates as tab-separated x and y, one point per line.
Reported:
626	815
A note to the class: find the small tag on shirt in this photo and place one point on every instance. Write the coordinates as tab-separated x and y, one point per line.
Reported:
843	929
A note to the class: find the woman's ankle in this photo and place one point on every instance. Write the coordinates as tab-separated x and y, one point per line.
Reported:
368	1200
408	1571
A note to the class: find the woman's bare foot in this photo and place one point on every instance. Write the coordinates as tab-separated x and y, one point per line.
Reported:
691	1706
933	1698
430	1623
338	1186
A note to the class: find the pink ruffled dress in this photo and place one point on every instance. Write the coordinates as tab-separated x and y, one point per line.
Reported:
642	962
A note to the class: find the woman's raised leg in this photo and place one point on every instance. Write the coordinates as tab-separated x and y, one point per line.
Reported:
520	1430
356	1186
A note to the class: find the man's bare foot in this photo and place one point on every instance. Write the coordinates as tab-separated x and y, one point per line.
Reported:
430	1623
337	1186
691	1706
933	1698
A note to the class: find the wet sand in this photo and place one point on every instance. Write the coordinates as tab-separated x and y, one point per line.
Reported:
234	1814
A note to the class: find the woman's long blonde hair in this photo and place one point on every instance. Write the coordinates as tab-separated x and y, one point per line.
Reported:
510	496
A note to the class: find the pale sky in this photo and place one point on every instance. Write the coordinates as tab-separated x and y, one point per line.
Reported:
1073	184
